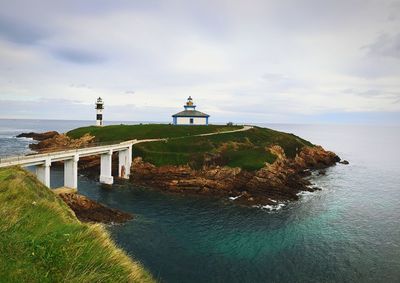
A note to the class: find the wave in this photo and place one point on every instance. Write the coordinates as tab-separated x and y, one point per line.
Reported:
13	137
23	138
305	193
271	207
233	198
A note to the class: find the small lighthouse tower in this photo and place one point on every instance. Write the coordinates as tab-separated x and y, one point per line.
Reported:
99	112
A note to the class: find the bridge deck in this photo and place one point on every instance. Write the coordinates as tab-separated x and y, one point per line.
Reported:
36	159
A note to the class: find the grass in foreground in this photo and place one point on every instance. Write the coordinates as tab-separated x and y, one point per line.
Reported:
145	131
246	149
42	241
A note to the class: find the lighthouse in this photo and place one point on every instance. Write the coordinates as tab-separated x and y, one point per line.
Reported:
99	112
190	116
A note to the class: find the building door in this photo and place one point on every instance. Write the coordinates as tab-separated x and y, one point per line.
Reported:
191	121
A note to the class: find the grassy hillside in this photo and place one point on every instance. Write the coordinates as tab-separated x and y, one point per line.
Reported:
245	149
146	131
42	241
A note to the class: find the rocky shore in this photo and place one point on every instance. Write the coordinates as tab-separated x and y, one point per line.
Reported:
88	210
53	141
38	136
277	182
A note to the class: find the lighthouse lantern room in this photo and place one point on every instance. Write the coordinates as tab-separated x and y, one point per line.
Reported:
99	112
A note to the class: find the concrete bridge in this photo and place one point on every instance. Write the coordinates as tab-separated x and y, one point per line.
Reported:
42	162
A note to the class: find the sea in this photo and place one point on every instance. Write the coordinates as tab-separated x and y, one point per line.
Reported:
347	232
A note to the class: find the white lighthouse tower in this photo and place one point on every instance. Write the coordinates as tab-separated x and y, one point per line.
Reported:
99	112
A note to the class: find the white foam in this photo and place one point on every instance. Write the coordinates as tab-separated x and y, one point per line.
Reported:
271	207
233	198
24	138
304	193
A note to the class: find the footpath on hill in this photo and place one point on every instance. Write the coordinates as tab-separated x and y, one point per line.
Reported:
245	128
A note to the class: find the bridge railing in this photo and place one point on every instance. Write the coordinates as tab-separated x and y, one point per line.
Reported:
50	152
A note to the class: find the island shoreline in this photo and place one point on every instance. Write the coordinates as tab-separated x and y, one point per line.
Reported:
280	181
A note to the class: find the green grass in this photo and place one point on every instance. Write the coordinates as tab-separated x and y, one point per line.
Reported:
249	159
247	149
145	131
41	240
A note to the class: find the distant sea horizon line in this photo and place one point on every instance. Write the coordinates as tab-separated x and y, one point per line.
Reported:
215	122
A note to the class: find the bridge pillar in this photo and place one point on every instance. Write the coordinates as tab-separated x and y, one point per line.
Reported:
125	161
43	172
71	172
105	168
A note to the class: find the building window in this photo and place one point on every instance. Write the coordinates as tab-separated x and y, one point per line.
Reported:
191	120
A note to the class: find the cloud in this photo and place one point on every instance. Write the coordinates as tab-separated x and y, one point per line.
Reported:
267	60
78	56
20	32
281	82
385	45
84	86
379	94
54	108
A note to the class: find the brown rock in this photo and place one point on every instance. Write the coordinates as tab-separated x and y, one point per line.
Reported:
88	210
315	158
281	180
38	136
62	142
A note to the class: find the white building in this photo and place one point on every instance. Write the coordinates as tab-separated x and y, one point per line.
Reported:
190	116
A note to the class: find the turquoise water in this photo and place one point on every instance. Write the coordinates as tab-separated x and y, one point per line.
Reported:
348	232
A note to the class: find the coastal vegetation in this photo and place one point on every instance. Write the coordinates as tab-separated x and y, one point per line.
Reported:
114	133
245	149
41	240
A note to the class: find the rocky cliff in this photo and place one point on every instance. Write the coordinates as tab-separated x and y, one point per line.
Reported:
279	181
88	210
38	136
60	142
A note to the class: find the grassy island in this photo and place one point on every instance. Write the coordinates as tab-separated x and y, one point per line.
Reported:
146	131
41	240
246	149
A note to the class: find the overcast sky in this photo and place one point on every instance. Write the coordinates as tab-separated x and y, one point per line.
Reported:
299	61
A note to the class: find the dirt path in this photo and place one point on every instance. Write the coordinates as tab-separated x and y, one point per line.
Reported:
245	128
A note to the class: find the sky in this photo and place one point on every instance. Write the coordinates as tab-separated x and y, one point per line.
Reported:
299	61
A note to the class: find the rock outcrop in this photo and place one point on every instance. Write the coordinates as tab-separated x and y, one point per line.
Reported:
88	210
282	180
38	136
62	142
216	180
